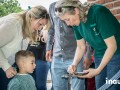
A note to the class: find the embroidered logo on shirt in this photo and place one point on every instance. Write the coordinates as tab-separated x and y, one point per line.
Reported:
93	26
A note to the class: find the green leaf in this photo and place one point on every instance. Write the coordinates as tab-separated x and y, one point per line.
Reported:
9	6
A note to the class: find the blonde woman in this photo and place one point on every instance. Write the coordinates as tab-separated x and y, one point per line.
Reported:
16	30
98	26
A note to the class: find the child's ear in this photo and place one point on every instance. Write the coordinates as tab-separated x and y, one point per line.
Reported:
22	64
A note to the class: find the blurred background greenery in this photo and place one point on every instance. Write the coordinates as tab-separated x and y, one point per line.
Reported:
9	6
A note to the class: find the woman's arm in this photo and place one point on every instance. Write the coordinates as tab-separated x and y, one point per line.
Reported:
78	55
7	34
79	51
3	61
111	48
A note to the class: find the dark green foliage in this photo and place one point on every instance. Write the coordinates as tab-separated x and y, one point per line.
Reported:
9	6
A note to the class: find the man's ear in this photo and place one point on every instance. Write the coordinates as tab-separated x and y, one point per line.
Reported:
77	11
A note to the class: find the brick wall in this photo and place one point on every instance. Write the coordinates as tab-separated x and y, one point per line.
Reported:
113	5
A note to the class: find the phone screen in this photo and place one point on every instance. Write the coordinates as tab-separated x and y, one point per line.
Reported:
81	73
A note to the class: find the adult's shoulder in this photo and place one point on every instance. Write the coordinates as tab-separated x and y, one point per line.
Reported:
99	8
52	10
11	20
52	5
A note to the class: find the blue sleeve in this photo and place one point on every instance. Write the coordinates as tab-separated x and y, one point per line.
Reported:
51	31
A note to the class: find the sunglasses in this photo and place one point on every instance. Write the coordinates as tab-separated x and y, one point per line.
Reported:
60	9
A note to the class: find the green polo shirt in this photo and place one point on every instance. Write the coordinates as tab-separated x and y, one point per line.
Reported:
100	25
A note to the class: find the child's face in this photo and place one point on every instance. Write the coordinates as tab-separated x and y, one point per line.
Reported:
29	64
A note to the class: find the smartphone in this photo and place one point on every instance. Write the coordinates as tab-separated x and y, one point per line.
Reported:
81	73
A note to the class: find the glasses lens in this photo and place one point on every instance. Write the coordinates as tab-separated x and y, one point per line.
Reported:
58	9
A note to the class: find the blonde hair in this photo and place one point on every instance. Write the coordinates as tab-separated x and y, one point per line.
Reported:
38	12
84	11
67	6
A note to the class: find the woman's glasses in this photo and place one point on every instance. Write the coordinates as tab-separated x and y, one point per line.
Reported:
60	9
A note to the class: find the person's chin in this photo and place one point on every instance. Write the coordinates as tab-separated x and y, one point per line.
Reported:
69	25
77	24
31	71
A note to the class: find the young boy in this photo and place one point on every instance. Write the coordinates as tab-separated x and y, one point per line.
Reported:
25	62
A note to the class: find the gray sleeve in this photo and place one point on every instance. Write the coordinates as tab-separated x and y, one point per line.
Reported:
51	31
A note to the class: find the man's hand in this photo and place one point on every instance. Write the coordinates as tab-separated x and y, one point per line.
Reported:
10	72
49	55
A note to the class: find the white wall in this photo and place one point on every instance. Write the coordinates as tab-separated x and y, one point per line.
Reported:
25	3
